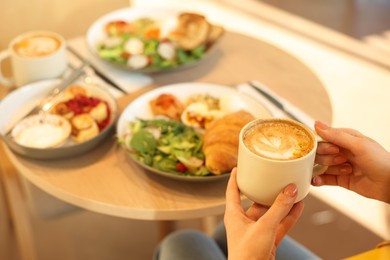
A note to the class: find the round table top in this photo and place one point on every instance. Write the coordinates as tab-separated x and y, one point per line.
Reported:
106	180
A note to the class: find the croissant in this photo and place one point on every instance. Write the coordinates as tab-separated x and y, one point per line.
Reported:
220	141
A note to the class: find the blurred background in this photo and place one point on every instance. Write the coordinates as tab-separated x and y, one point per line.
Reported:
69	18
356	18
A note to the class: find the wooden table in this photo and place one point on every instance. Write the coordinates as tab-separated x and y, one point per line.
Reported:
105	180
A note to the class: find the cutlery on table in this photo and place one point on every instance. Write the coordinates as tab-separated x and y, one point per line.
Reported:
96	71
275	103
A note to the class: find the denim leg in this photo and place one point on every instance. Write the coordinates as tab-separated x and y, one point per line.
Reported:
188	245
219	235
288	249
292	250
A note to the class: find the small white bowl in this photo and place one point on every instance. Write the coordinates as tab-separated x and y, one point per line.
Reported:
42	131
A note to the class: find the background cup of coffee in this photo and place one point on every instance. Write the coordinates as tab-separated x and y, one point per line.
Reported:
273	153
34	56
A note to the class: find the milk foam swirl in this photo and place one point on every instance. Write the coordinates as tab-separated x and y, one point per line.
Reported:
279	140
36	46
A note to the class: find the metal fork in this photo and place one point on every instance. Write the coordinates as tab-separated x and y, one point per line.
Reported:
46	103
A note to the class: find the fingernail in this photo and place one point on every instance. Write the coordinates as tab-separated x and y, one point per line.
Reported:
291	190
346	168
316	180
339	159
333	150
321	125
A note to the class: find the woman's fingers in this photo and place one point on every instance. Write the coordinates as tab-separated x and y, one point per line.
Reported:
327	148
256	211
233	200
330	160
342	169
342	137
282	205
289	221
331	180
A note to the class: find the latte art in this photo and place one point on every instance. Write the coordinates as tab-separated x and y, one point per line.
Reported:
276	147
279	140
37	46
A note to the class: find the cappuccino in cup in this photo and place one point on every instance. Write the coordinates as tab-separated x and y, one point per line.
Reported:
37	45
273	153
34	56
278	140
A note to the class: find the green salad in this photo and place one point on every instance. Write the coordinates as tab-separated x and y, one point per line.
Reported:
140	45
166	145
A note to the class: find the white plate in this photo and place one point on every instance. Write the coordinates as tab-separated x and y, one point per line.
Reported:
140	108
96	33
16	104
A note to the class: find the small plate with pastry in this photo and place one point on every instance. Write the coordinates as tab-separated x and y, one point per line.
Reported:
187	131
150	40
80	118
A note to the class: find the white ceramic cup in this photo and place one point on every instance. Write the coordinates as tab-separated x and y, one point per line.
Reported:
261	179
34	55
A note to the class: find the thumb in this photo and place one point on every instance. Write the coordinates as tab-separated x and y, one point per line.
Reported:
282	205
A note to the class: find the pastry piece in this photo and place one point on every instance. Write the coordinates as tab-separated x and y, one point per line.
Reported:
167	105
63	110
84	127
99	112
74	91
220	141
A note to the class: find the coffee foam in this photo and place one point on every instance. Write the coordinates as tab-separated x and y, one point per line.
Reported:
37	45
279	140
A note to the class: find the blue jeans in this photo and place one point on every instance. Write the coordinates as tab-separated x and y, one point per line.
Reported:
195	245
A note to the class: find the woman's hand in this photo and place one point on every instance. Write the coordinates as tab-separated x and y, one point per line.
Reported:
355	162
256	233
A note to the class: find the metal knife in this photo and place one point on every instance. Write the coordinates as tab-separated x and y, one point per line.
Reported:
96	71
289	109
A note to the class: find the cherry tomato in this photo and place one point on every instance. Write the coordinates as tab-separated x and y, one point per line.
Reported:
180	167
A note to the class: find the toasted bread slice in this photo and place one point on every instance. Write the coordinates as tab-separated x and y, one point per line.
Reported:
215	33
193	30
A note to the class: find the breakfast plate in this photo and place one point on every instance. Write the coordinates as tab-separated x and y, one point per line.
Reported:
47	135
140	109
146	40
